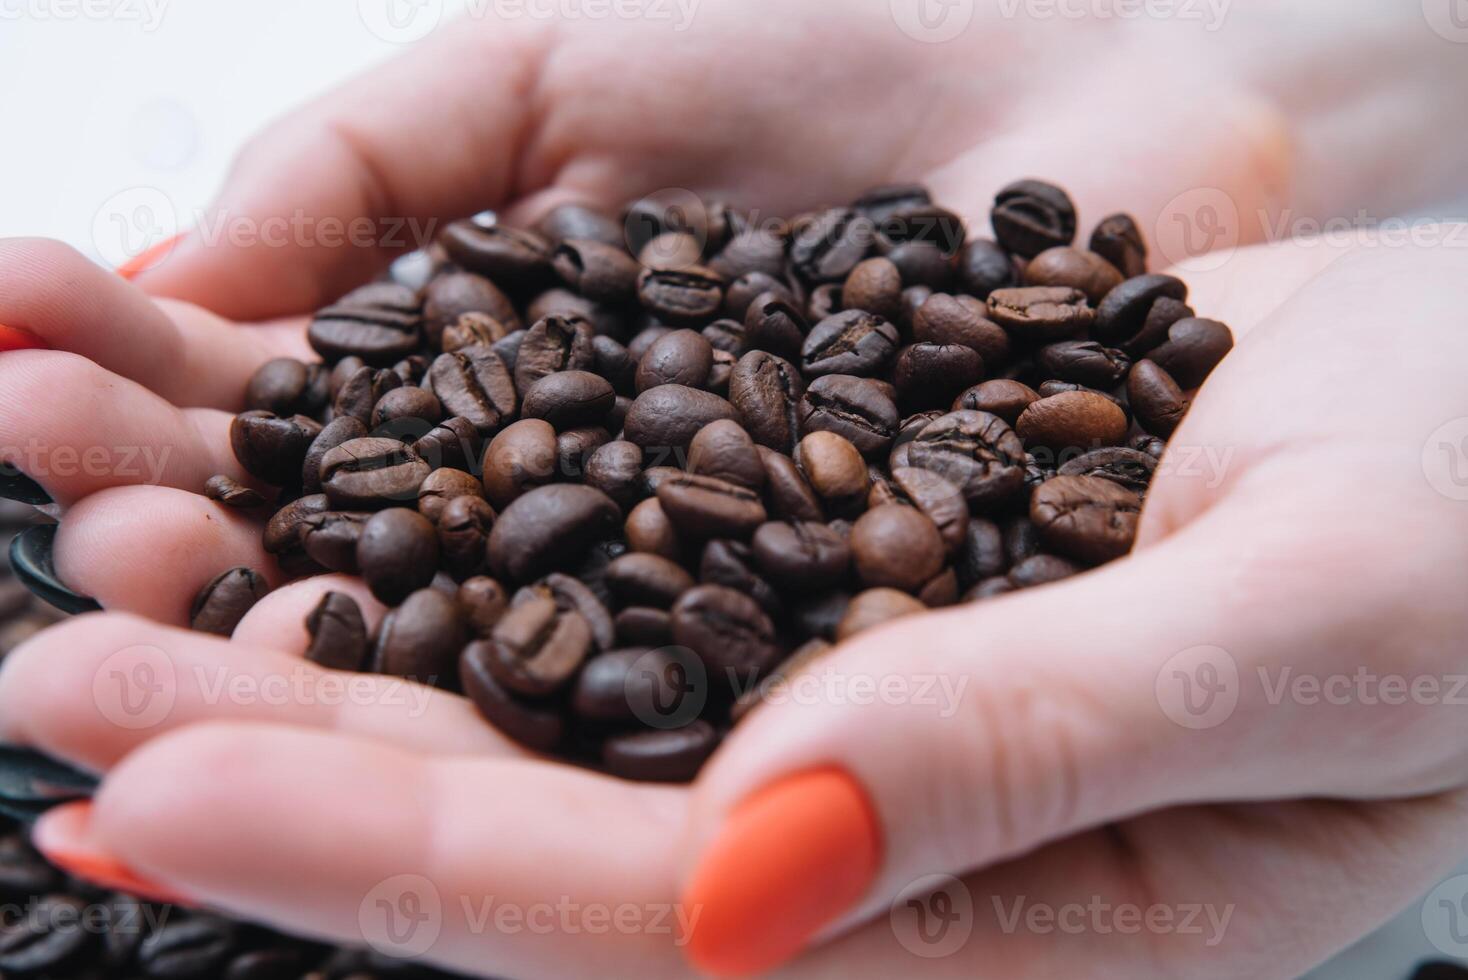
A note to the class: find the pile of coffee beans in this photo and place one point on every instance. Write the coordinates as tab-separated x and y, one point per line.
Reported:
616	475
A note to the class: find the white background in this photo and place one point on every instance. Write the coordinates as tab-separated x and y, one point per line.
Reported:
92	109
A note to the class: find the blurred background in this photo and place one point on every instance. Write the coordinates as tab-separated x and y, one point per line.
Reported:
119	116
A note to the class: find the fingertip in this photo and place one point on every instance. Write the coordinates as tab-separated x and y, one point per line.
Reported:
67	837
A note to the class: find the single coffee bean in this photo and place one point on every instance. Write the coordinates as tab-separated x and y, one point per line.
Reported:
724	451
929	375
361	392
272	448
1030	216
23	872
569	399
286	386
367	474
519	459
875	285
938	498
463	535
1085	362
1052	388
1194	347
1118	240
889	200
703	507
1037	314
853	342
1075	268
420	639
873	608
728	631
1127	467
802	557
853	408
453	443
412	370
539	728
833	467
1086	518
1125	317
1085	419
681	357
232	493
1041	570
472	330
601	272
571	594
983	266
644	626
220	605
745	289
1002	397
688	297
632	686
616	470
753	250
896	547
940	591
788	492
443	485
661	756
549	528
504	254
481	602
1155	398
557	343
338	633
195	948
449	297
537	648
648	529
728	336
666	418
339	430
579	221
474	384
773	322
407	403
831	245
976	452
944	319
647	580
731	564
45	938
982	555
282	531
397	553
766	391
331	539
380	323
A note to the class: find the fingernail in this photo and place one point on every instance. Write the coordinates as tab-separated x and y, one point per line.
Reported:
149	259
790	860
16	338
65	837
31	557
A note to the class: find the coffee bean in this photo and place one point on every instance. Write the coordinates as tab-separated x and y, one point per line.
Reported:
1129	315
1074	268
23	872
449	297
537	648
600	272
570	594
687	297
472	330
616	470
272	448
579	221
232	493
273	963
681	357
420	639
547	529
286	386
1194	347
774	323
1086	518
463	535
938	498
944	319
644	626
647	580
671	756
1040	570
453	443
331	539
338	633
624	687
873	608
802	557
983	266
990	588
568	399
504	254
282	531
1085	362
474	384
397	553
703	507
195	948
443	485
789	493
875	285
220	605
1118	240
367	474
1030	216
519	459
1156	399
981	555
765	391
536	727
481	602
728	631
1002	397
929	375
1127	467
724	451
554	344
669	416
335	433
853	408
1037	314
1084	419
407	404
412	370
976	452
753	250
853	342
671	250
833	467
380	323
46	938
648	530
896	547
361	392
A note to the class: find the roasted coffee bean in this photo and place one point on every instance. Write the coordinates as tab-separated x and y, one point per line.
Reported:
338	633
766	391
380	323
661	756
343	370
1194	347
504	254
1084	419
1086	518
614	362
747	288
471	330
703	507
549	528
1002	397
578	221
454	444
731	563
1037	314
573	595
335	433
575	446
534	726
600	272
853	408
1021	539
787	491
647	580
1118	241
519	459
728	336
554	344
1084	362
831	245
896	547
23	872
232	493
397	553
282	531
681	357
1151	445
331	539
45	938
407	403
728	631
802	557
443	485
272	448
875	285
824	301
632	686
537	648
420	639
1128	467
1030	216
648	530
1075	268
944	319
666	418
196	948
361	392
753	250
412	370
644	626
463	535
449	297
983	266
880	203
1156	399
286	386
976	452
1040	570
688	297
366	474
928	224
774	323
833	467
481	602
569	399
873	608
853	342
982	554
220	605
724	451
616	470
474	384
936	497
508	348
1125	317
929	375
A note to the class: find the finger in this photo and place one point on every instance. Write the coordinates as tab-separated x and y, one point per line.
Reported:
278	621
96	687
325	834
184	354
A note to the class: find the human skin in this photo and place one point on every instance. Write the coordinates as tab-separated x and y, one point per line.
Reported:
1320	544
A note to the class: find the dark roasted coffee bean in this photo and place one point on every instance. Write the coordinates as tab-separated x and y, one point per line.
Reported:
1041	313
366	474
616	470
827	249
450	296
666	756
463	535
1155	398
1021	539
896	547
272	448
338	633
411	370
537	648
232	493
747	288
534	726
647	580
520	458
1124	317
1151	445
474	383
397	553
632	686
420	639
506	255
875	285
1118	240
702	507
1194	347
825	301
928	224
575	446
549	528
614	362
579	221
833	467
337	431
196	948
470	330
880	203
331	539
984	267
407	403
666	418
286	386
1084	362
853	408
1086	518
481	602
1041	570
607	320
343	370
220	605
975	451
944	319
380	323
724	451
930	375
23	872
45	938
644	626
753	250
688	297
982	554
554	344
282	531
602	273
1030	216
731	564
443	485
853	342
728	336
728	631
766	391
682	357
938	498
802	557
1075	268
922	264
569	399
789	493
774	323
648	530
1085	419
571	594
361	392
873	608
1002	397
454	443
643	340
1128	467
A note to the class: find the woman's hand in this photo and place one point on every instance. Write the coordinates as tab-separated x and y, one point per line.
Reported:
1060	766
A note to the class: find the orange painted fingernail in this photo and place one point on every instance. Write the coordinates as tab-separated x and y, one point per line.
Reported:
148	259
14	338
791	860
64	835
